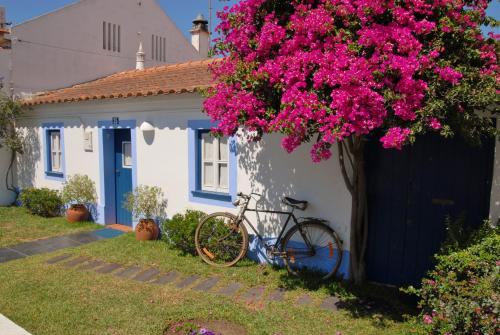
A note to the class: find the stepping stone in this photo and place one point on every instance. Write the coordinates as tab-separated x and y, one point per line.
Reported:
254	294
58	259
187	281
304	300
277	295
330	303
77	261
108	268
207	284
33	248
230	290
146	275
128	272
85	237
59	242
166	278
91	265
7	254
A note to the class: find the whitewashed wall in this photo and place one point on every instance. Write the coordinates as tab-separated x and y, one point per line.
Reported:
6	196
163	160
64	47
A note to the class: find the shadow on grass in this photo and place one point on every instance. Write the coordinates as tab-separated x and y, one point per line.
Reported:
376	301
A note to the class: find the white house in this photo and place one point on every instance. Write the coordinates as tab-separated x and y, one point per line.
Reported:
147	127
90	39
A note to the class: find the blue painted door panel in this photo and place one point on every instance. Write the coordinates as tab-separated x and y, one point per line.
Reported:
411	192
123	176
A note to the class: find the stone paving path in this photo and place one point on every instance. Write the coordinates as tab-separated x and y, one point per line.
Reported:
55	243
196	283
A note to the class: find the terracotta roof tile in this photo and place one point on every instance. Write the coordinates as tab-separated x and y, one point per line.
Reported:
168	79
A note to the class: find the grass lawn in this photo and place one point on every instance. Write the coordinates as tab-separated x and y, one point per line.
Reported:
51	299
17	226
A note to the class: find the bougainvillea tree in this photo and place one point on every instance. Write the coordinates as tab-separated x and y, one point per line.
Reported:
331	72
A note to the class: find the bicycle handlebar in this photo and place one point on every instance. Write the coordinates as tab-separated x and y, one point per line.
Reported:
247	196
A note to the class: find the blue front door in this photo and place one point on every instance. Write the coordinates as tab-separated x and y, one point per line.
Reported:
123	174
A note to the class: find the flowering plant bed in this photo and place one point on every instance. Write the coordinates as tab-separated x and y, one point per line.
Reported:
205	328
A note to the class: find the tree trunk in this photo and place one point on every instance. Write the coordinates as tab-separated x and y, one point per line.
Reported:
355	179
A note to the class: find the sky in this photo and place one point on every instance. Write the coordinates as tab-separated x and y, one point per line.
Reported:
181	11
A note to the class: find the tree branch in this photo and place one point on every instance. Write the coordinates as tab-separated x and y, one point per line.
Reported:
347	180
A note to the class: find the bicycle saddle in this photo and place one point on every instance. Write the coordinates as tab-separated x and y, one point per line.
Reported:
298	204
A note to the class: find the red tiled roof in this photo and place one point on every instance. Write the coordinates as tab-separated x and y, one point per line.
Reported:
168	79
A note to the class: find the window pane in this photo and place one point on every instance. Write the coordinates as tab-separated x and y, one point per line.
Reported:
208	147
114	37
152	46
55	141
104	35
119	39
223	149
56	162
208	174
223	176
127	154
109	36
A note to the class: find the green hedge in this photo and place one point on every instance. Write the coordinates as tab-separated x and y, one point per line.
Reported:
42	201
180	229
462	294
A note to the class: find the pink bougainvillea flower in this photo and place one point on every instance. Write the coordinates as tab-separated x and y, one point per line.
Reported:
395	137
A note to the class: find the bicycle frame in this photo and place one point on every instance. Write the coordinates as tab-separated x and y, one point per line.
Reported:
290	216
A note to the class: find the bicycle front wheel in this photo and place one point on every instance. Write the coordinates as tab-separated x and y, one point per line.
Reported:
220	240
312	250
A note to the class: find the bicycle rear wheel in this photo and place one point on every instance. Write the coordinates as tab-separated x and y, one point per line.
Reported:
312	250
220	240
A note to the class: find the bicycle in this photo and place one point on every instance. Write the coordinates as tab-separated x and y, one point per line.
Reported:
309	248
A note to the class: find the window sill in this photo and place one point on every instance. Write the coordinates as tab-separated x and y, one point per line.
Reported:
58	175
226	197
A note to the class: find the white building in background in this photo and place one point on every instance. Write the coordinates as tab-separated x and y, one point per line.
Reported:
91	39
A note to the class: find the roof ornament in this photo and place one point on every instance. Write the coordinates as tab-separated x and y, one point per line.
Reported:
140	57
200	23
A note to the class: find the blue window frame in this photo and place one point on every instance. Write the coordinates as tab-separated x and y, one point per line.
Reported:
54	150
212	166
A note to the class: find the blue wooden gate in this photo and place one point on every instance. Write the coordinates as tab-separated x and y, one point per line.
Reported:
410	193
123	174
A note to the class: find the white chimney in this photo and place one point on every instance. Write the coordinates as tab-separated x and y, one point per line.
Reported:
200	36
140	58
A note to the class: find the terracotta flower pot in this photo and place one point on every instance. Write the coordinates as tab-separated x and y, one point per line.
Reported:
146	230
77	213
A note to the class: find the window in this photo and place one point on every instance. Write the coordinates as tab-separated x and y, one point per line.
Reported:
54	150
111	36
214	163
127	154
158	48
212	166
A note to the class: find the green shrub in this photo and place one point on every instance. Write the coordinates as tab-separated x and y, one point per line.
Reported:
460	237
179	230
79	190
462	294
42	201
146	202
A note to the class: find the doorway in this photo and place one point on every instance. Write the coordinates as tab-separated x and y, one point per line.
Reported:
117	173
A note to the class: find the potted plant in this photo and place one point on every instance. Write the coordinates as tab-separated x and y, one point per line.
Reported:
78	192
146	203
